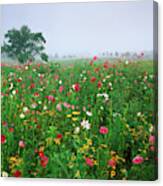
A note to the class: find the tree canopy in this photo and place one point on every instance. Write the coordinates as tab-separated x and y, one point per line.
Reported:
24	45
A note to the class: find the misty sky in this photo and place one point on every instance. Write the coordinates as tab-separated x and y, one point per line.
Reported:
81	28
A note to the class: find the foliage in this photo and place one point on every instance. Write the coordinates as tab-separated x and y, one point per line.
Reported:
24	45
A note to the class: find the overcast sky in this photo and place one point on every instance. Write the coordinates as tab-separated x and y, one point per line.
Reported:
80	28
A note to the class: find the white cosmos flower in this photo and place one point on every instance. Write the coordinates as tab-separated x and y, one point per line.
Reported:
25	109
77	130
60	82
39	102
14	92
89	113
126	62
22	116
34	105
4	174
85	124
45	107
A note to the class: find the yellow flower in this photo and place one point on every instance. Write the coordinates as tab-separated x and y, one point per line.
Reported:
76	113
113	173
41	149
74	119
69	115
89	142
103	145
77	174
95	162
57	141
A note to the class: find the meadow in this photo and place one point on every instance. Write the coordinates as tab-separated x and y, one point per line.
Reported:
89	119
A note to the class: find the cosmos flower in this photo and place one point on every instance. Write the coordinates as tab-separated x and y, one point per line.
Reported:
61	88
89	113
17	174
138	160
85	124
89	162
151	139
44	161
25	109
95	58
112	163
22	116
103	130
76	87
59	136
93	79
50	98
3	139
59	107
21	144
77	130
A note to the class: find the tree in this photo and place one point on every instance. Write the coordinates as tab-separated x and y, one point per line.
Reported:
24	45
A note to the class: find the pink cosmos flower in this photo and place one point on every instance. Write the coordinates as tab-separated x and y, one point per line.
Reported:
103	130
152	148
138	160
50	98
21	144
151	139
89	162
61	88
67	105
59	107
112	163
95	58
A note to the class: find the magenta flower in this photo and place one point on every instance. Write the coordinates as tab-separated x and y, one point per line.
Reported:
103	130
89	162
138	160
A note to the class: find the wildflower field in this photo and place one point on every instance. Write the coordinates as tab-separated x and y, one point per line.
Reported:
89	119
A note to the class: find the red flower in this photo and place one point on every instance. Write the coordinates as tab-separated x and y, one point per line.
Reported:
11	129
76	87
50	98
17	173
4	123
59	136
106	65
3	138
93	79
89	162
41	154
99	84
32	86
44	161
36	94
19	80
103	130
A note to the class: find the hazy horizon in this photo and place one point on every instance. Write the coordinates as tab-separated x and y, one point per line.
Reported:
85	28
